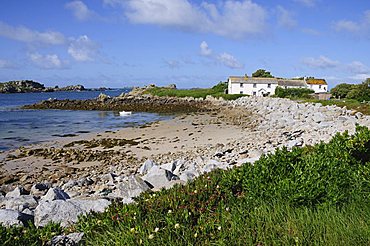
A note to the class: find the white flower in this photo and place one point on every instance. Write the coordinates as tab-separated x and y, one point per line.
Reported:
227	209
196	234
169	211
217	186
177	225
219	228
156	229
132	229
151	236
195	191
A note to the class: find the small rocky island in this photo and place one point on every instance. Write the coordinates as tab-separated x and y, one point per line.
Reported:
23	86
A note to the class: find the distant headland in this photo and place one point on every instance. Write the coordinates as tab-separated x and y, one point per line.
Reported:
23	86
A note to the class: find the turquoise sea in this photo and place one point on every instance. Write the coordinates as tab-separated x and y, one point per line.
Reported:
19	127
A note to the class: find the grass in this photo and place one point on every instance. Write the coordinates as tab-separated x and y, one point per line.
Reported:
316	195
216	91
349	103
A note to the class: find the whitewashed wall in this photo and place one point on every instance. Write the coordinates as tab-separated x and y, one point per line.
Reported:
248	89
319	88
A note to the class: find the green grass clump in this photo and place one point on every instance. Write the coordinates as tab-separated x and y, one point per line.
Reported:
316	195
216	91
363	107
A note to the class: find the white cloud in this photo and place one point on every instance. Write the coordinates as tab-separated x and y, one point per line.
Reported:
311	31
27	35
345	25
358	67
172	63
307	3
361	76
234	19
322	62
229	61
83	49
80	10
6	64
358	27
224	58
46	61
204	49
285	18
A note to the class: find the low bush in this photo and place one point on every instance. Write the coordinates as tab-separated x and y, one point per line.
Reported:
293	92
316	195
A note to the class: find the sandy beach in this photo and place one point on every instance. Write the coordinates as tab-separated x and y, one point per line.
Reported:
185	136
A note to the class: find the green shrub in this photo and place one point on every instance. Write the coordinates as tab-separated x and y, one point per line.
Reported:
316	195
293	92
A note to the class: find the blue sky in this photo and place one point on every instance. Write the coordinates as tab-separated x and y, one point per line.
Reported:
192	43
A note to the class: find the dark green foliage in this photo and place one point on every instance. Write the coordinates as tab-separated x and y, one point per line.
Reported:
341	90
359	92
28	235
293	92
316	195
262	73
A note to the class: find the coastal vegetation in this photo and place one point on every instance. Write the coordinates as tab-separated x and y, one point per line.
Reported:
293	93
216	91
358	92
312	195
262	73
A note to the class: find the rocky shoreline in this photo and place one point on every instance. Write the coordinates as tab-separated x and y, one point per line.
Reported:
23	86
128	102
216	134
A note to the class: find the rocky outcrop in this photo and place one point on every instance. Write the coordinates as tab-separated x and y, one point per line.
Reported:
128	102
21	86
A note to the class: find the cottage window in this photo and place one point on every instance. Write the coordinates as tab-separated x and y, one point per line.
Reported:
241	92
254	93
254	85
268	85
241	85
319	86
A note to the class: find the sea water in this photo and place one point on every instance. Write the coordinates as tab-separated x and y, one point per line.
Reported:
20	127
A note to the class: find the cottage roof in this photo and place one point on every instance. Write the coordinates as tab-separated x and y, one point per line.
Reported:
252	80
291	82
316	82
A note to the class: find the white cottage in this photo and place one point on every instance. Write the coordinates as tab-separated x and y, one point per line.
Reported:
252	86
318	85
266	86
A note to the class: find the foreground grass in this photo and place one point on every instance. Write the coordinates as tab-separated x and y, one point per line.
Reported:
349	103
216	91
315	195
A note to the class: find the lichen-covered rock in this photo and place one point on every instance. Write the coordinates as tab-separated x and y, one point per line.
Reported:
66	212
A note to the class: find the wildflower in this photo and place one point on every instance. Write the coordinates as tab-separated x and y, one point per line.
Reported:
205	186
177	225
217	186
169	211
151	236
156	229
227	209
189	213
219	228
195	191
196	235
132	229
